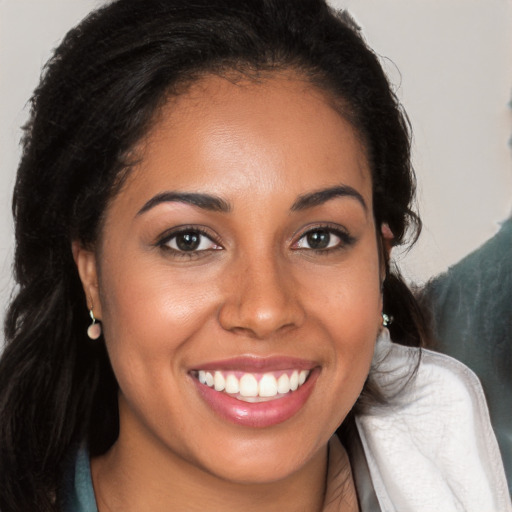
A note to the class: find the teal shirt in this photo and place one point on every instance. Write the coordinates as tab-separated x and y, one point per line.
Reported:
79	492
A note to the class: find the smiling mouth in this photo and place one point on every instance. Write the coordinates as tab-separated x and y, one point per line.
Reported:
253	387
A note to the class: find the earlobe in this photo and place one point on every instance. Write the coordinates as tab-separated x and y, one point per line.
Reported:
85	261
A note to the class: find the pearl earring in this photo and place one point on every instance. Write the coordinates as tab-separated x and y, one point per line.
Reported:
386	319
94	330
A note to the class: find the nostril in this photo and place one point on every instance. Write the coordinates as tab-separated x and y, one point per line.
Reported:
257	324
260	300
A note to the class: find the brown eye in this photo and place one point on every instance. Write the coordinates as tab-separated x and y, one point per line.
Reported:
324	239
190	240
319	239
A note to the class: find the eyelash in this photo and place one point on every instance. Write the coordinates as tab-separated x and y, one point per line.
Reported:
346	240
166	238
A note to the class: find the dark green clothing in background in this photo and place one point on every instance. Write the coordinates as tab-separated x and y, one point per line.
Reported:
471	308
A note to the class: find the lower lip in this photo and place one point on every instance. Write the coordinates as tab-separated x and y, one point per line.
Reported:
257	414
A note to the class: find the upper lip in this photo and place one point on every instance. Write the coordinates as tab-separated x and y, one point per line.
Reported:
256	364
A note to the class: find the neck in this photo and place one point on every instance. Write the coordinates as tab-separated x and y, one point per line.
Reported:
134	477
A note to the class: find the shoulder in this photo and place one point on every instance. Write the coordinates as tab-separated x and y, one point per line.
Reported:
424	378
431	447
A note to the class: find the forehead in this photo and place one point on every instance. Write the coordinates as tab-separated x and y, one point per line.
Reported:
245	137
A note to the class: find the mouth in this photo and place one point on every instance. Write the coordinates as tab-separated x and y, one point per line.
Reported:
255	394
253	387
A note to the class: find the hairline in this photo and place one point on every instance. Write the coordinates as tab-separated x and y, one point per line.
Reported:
239	74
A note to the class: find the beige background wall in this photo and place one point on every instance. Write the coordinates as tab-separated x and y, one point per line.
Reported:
455	62
455	79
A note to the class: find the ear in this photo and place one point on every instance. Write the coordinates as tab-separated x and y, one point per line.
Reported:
387	239
85	261
386	243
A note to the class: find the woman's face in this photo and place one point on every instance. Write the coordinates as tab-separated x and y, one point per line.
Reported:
240	259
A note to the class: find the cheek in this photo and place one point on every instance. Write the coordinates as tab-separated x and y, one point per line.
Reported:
149	315
346	298
346	305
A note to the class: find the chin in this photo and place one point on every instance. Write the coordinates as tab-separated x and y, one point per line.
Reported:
262	460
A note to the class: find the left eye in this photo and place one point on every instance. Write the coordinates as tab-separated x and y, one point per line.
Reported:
190	241
319	239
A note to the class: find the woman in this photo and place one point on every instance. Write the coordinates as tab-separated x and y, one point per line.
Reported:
204	210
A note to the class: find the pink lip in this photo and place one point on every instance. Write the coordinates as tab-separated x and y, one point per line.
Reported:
253	364
257	414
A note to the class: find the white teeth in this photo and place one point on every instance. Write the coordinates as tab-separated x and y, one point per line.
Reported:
248	385
232	385
283	384
268	385
294	380
219	383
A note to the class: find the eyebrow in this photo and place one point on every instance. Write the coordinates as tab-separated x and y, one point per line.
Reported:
216	204
203	201
321	196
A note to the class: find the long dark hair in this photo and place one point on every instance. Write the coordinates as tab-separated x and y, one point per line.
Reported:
97	98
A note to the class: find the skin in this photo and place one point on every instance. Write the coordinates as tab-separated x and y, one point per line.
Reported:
256	289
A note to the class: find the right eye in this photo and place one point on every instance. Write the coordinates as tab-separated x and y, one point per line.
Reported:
189	240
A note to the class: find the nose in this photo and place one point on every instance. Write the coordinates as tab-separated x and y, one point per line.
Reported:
262	299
